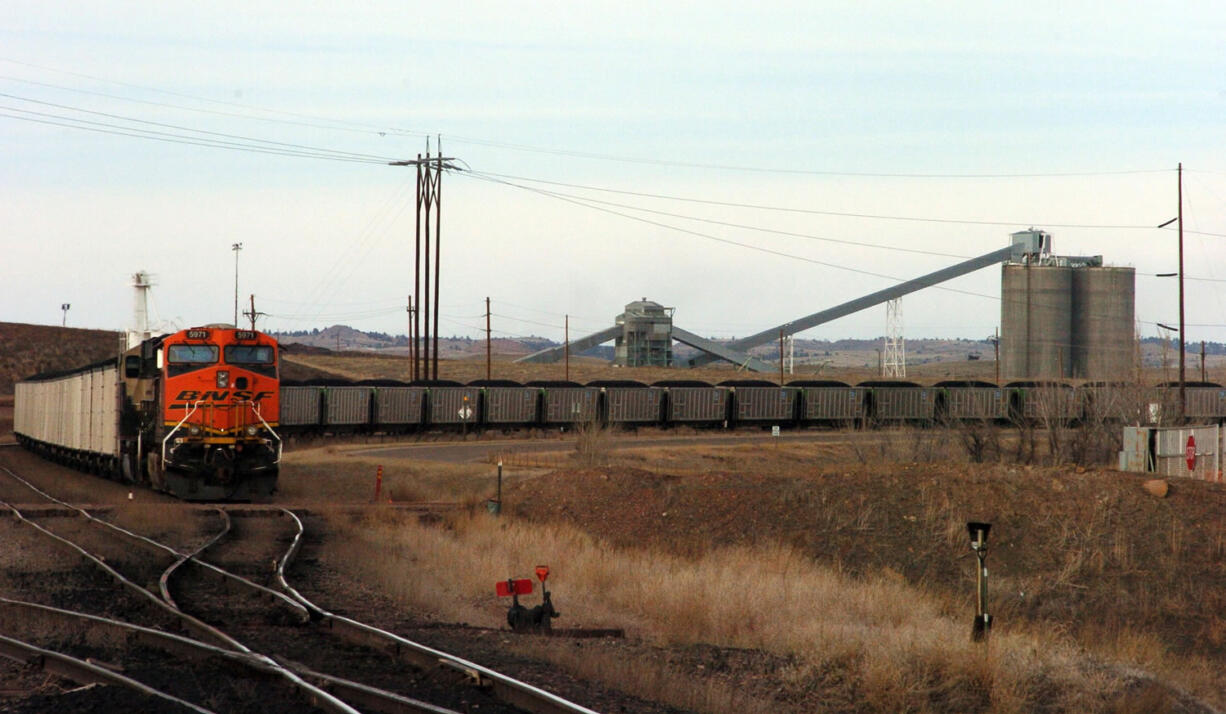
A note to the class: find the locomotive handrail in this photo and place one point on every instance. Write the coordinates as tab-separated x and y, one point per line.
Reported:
195	406
255	407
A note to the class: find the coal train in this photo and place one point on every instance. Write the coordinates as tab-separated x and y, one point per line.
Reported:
387	406
192	413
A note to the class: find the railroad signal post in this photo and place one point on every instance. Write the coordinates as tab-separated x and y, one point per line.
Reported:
979	544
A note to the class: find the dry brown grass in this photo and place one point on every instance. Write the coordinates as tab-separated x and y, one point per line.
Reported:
877	642
333	474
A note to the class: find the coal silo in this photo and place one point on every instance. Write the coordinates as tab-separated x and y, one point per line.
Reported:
1104	309
1036	329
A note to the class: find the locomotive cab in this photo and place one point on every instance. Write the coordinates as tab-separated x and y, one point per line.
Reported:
203	404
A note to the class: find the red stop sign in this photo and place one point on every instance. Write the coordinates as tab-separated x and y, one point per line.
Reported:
1190	452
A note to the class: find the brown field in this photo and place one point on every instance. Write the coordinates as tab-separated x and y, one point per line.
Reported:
832	576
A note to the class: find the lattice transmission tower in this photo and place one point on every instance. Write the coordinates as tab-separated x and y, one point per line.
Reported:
894	357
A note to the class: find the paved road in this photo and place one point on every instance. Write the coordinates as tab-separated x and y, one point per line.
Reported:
464	452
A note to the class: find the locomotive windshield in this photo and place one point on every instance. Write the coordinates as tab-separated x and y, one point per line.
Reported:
191	354
249	354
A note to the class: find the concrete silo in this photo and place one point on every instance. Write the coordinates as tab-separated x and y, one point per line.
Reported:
1104	309
1036	316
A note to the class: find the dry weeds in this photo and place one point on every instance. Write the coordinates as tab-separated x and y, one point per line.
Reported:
876	642
338	475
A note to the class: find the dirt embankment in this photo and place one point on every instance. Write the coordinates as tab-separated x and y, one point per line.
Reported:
30	349
1083	551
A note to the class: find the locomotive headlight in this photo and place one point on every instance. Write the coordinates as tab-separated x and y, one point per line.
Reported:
223	379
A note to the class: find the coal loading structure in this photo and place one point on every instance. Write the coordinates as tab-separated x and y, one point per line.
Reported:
1065	317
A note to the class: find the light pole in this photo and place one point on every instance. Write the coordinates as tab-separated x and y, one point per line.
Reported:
236	248
64	306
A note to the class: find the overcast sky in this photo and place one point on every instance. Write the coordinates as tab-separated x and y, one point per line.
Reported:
992	118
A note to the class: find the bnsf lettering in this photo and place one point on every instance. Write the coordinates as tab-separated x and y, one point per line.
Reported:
242	395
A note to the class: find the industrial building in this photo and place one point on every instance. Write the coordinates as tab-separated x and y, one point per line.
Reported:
1065	316
646	338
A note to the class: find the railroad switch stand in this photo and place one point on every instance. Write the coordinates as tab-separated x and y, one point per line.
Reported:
524	619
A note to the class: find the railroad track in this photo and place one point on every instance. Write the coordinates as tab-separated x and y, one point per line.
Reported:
246	633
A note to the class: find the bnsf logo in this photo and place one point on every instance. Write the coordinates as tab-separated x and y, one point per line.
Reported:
242	395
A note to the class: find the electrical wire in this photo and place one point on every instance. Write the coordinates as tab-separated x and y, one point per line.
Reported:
121	117
742	226
812	211
119	130
601	156
708	236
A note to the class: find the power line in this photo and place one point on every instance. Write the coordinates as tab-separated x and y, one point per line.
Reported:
708	236
596	155
120	117
811	211
119	130
773	231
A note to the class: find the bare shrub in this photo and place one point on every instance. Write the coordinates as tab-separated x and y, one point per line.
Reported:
980	438
592	447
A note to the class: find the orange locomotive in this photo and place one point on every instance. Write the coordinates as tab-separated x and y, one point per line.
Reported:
200	412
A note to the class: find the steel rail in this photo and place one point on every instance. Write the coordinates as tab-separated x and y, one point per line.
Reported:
173	643
202	629
164	581
299	611
82	672
508	689
377	699
321	698
371	697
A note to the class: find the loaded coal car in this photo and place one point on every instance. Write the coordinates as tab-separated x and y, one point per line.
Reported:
1037	402
347	406
565	402
301	407
971	400
830	402
1202	401
899	401
506	403
450	404
690	402
194	414
399	406
1115	402
757	401
626	402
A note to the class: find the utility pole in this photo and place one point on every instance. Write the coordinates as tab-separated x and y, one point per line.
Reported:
566	346
412	356
252	313
1183	397
996	350
429	198
236	248
487	338
1202	361
781	358
438	232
